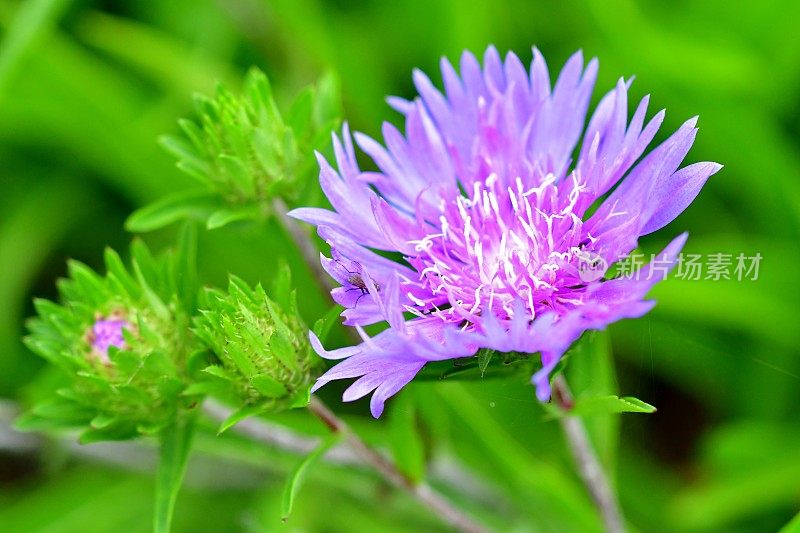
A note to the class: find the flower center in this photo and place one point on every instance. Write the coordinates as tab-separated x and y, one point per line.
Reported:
106	333
505	243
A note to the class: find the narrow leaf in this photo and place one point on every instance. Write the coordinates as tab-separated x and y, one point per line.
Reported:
176	442
240	414
322	327
298	475
600	405
194	204
223	217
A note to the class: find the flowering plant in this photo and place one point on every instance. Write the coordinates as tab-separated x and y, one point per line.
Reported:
504	240
489	227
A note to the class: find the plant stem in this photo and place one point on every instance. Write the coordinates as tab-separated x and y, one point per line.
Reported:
303	243
589	466
423	492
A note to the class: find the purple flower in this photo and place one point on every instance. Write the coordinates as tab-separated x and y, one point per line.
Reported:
490	213
106	333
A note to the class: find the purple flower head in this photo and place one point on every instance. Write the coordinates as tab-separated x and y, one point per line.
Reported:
484	202
106	333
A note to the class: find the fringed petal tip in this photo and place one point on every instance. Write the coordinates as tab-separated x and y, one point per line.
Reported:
381	368
383	383
541	379
340	353
318	385
543	390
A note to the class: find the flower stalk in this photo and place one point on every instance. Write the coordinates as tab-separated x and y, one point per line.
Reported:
591	471
304	244
423	492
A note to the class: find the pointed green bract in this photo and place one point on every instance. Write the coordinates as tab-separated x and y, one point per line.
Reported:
245	153
122	343
265	360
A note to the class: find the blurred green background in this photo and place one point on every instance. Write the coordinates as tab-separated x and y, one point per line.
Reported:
87	87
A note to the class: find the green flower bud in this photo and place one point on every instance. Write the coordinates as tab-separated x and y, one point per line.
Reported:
122	342
265	360
246	153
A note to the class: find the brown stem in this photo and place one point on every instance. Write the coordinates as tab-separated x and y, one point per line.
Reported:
588	464
303	242
423	492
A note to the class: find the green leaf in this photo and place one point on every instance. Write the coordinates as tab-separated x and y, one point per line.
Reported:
298	475
500	365
203	388
185	268
181	149
322	327
328	101
282	285
118	275
223	217
192	205
601	405
176	441
299	116
282	349
32	421
237	416
236	169
546	486
102	421
117	431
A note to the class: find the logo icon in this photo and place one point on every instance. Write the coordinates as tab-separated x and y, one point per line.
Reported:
591	266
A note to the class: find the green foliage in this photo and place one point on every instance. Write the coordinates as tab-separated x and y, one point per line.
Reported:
590	372
245	153
265	360
601	405
85	96
298	474
590	369
176	443
32	21
125	390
